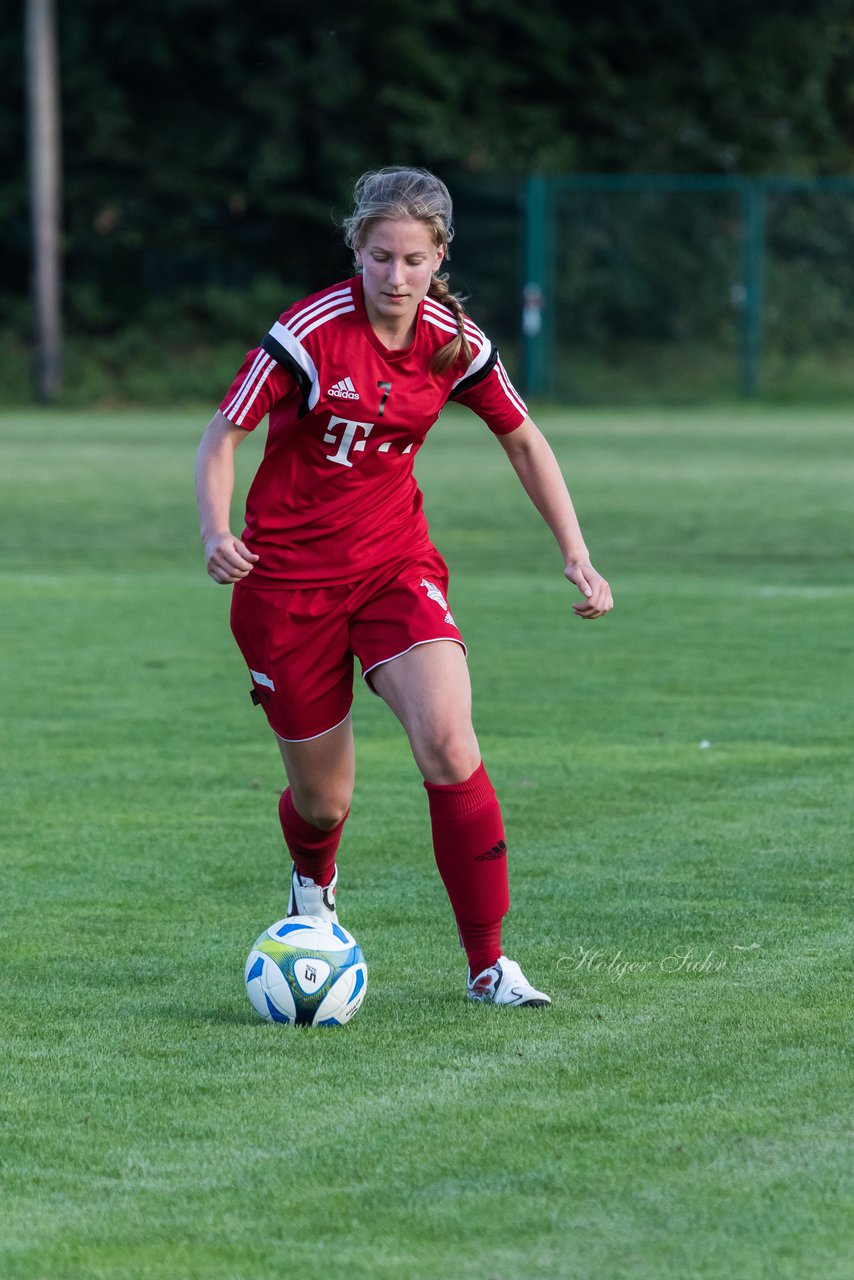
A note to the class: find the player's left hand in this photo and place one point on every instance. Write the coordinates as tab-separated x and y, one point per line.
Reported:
597	594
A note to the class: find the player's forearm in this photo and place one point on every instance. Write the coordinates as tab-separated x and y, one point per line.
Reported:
214	481
542	480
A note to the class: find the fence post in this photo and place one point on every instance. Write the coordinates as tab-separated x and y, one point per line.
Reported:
753	279
537	303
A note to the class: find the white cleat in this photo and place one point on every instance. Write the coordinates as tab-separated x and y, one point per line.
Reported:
310	899
505	983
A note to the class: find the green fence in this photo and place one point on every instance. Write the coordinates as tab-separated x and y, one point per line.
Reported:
666	287
596	288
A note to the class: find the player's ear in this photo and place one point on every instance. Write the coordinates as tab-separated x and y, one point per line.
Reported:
440	253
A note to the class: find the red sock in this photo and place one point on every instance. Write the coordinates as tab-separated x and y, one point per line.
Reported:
468	840
312	849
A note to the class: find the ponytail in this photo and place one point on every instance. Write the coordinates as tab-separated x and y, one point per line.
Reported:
458	348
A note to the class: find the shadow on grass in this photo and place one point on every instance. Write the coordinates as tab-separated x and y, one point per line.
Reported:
216	1016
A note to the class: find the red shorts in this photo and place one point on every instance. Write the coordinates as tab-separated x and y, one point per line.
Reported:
299	643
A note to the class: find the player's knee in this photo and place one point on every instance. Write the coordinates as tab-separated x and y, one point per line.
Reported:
321	809
450	757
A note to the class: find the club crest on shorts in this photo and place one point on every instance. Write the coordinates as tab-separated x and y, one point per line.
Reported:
435	593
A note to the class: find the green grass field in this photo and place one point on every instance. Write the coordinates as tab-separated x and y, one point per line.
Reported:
683	768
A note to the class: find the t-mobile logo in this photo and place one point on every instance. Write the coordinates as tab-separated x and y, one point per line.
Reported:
347	442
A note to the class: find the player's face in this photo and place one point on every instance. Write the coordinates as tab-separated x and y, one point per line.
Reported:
397	259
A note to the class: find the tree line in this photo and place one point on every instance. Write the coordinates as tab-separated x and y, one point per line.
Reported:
200	132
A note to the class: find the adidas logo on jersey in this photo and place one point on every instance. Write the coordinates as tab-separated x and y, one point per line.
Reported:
343	390
435	594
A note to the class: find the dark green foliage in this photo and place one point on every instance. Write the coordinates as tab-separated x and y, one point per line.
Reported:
207	143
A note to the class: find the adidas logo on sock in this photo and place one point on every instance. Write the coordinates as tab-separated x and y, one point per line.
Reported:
343	390
497	851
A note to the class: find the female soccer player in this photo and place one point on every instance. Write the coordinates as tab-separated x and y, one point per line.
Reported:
336	560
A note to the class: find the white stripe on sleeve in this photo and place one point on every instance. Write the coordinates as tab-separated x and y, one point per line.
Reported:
258	385
511	392
246	384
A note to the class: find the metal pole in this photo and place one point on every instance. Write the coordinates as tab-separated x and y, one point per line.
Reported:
535	292
43	144
753	277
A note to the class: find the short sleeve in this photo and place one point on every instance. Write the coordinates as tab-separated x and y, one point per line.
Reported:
260	384
492	396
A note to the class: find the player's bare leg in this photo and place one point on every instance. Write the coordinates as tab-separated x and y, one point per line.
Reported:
321	774
429	691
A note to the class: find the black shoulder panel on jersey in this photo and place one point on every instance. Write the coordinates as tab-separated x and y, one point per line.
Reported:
483	372
286	360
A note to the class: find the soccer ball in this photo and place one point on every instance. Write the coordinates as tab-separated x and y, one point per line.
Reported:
306	972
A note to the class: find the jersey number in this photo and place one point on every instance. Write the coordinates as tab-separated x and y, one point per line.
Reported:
385	387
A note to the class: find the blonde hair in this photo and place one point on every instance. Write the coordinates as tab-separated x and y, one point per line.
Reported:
400	192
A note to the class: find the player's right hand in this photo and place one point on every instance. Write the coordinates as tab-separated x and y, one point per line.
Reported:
227	558
593	586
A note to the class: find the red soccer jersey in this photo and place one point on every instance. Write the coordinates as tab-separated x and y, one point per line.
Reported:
335	496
